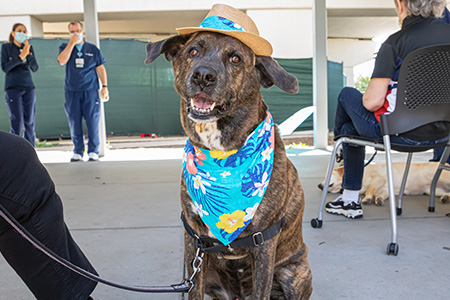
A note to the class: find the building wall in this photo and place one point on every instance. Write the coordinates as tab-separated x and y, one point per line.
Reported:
284	28
287	24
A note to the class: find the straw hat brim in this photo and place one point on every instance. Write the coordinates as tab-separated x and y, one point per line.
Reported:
258	44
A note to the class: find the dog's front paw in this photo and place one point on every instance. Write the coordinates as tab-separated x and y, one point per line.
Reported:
445	198
379	201
367	200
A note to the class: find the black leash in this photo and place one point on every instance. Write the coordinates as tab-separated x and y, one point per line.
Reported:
370	160
254	240
182	287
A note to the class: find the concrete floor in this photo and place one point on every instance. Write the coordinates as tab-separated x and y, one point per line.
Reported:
125	216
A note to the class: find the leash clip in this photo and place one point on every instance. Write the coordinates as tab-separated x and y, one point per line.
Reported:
196	263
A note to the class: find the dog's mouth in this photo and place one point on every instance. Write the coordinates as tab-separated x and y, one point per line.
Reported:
202	104
202	107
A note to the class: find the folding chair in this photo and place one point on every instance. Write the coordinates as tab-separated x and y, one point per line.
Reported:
442	166
423	98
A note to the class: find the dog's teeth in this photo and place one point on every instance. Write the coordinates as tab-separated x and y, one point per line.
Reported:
212	106
192	103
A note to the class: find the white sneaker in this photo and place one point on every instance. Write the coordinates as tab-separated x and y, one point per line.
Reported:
76	157
93	156
351	210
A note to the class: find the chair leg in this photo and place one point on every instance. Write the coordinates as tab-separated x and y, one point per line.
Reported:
441	167
402	187
317	222
393	246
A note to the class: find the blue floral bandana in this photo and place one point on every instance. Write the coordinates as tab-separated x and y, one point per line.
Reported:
222	23
227	187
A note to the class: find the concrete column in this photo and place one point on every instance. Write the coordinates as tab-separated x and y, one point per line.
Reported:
320	81
36	28
91	24
348	71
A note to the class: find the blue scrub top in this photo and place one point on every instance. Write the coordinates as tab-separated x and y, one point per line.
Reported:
84	78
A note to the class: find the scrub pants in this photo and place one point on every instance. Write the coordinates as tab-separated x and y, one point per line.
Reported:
28	193
21	105
352	118
79	105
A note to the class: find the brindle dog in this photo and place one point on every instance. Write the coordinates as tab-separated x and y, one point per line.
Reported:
218	79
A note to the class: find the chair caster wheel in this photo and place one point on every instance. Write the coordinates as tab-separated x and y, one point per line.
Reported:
316	223
399	211
431	209
392	248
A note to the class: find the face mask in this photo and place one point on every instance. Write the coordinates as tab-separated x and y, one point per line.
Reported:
20	37
80	37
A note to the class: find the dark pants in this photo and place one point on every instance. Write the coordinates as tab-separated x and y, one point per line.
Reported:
352	118
437	153
28	194
79	105
21	105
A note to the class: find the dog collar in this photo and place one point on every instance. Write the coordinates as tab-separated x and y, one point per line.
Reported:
227	187
208	244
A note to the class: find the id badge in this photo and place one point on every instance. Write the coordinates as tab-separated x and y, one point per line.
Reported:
79	62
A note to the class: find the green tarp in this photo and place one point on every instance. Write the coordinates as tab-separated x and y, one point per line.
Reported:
143	99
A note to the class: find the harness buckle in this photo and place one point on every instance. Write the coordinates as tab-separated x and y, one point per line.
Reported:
258	239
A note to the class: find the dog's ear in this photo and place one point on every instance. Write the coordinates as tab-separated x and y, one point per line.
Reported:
169	47
273	74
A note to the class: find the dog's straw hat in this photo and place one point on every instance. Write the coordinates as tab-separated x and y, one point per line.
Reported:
232	22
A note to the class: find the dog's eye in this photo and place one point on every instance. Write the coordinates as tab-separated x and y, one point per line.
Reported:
194	52
235	59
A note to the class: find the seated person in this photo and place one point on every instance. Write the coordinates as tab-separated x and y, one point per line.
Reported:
27	192
359	115
437	153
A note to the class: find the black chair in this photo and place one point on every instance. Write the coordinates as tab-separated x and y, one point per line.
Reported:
441	167
423	99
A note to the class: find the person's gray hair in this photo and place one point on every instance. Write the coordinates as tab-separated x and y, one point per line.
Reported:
75	23
425	8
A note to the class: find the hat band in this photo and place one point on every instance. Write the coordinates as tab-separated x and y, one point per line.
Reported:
221	23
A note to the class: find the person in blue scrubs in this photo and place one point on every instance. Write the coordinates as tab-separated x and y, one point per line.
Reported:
84	66
18	60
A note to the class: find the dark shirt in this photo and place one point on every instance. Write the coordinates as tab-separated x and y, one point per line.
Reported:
82	78
18	73
417	32
445	16
23	179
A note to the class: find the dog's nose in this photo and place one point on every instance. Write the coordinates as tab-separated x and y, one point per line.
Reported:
204	76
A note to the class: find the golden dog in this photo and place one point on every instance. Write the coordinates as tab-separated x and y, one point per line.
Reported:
375	187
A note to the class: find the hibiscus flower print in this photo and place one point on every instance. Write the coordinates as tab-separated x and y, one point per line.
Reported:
231	222
260	186
250	212
224	174
272	139
200	184
199	156
199	209
190	164
210	177
266	127
266	154
220	154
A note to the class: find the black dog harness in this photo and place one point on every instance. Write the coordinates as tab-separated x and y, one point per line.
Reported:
254	240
